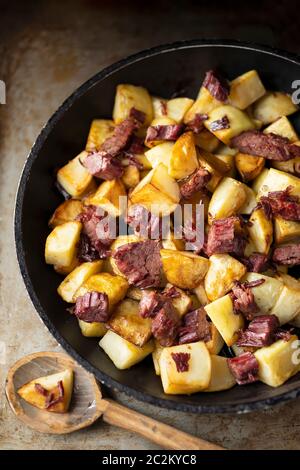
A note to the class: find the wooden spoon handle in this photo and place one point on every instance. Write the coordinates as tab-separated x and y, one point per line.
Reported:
165	436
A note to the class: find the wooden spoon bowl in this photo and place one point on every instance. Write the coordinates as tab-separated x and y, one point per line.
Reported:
87	405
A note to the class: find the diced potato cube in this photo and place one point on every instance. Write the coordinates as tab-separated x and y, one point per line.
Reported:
65	270
135	293
227	199
246	89
216	167
123	353
108	197
183	159
67	211
223	271
183	269
114	286
178	107
221	377
172	243
250	202
131	96
277	180
143	160
284	128
61	244
68	287
266	294
182	302
226	150
131	176
127	322
250	248
74	177
201	294
195	379
216	343
287	306
30	394
161	153
229	162
204	103
260	230
272	106
258	182
248	166
226	321
100	130
238	122
278	362
286	230
206	140
92	330
158	192
159	106
156	356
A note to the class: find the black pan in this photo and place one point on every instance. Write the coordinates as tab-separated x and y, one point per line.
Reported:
162	70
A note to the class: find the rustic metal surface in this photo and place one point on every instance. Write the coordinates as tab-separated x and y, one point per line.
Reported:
47	49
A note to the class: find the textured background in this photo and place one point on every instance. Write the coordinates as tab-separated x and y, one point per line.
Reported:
47	49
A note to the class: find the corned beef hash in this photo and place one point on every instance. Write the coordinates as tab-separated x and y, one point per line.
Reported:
207	291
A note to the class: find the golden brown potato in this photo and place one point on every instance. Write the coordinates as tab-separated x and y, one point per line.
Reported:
238	122
204	103
230	162
158	192
67	211
285	230
65	270
284	128
178	107
201	294
195	379
261	230
277	363
156	356
250	202
226	321
183	301
161	153
183	269
127	322
266	294
248	166
108	197
258	182
216	343
159	106
115	287
246	89
123	353
92	330
68	287
183	159
61	244
287	306
131	176
206	140
276	180
223	271
216	167
227	199
130	96
75	178
100	130
221	377
272	106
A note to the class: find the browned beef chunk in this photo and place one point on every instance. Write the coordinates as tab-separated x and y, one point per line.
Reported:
287	254
121	137
217	85
283	204
144	223
86	250
283	334
104	166
163	132
195	327
244	368
220	124
150	304
165	325
138	116
243	298
226	236
181	360
260	332
98	228
257	263
196	124
171	292
270	146
92	307
140	263
195	183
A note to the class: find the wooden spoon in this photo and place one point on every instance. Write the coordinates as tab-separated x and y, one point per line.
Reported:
87	405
